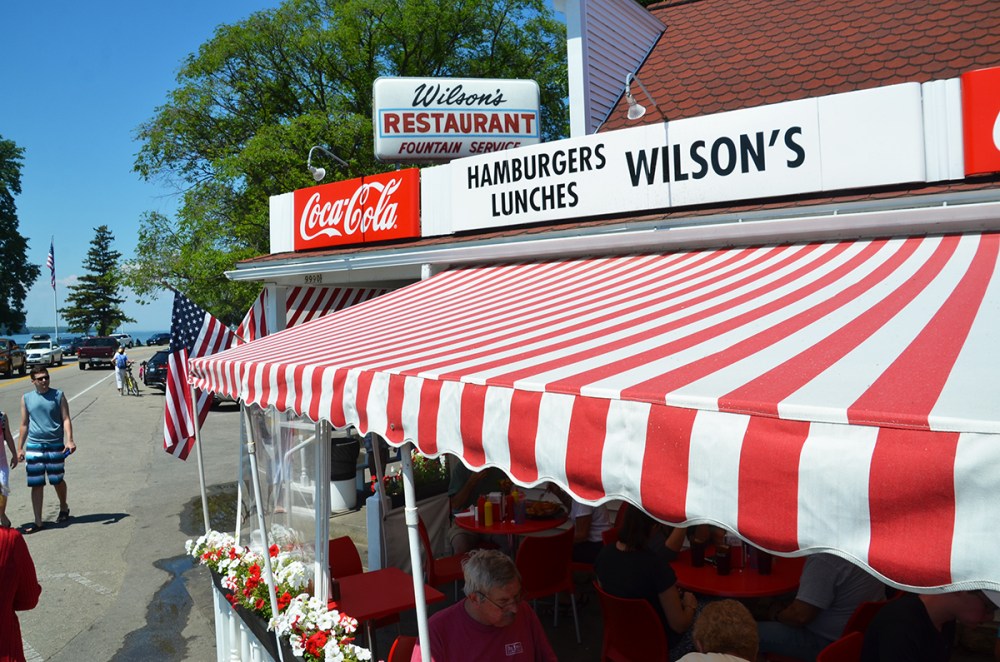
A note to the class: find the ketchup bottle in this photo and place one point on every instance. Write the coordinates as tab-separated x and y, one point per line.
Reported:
508	502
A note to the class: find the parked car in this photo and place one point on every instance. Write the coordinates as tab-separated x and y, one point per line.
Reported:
96	352
43	352
124	339
12	358
72	345
159	339
155	373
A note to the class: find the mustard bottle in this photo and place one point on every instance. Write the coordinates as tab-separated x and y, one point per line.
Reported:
488	510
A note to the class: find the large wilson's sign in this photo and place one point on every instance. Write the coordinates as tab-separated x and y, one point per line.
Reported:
439	119
856	139
981	120
372	208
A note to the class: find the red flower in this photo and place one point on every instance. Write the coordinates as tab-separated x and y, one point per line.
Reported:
332	604
259	604
314	644
273	550
283	600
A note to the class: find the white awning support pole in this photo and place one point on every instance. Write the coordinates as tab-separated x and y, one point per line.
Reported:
201	462
411	516
255	478
321	500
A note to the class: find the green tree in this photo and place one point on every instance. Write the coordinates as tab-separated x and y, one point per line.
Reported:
16	274
260	93
94	302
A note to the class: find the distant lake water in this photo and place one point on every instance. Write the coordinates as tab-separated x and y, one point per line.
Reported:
21	338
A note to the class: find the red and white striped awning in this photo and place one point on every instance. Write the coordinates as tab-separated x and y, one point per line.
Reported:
302	304
825	396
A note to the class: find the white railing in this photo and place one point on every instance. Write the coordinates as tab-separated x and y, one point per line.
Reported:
234	641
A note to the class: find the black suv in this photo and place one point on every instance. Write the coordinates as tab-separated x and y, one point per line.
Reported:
159	339
155	373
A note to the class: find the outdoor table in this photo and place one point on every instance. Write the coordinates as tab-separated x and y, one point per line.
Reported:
510	528
740	582
370	596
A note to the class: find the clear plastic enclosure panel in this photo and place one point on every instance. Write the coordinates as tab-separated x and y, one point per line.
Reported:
286	466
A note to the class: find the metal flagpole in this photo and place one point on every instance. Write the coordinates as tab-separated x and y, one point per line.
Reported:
55	298
201	461
411	516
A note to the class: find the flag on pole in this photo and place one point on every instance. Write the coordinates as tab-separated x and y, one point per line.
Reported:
50	262
193	333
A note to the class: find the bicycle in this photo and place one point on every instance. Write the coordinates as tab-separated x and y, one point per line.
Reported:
129	385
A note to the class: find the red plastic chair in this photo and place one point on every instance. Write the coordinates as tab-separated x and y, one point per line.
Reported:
402	649
344	558
845	649
862	616
344	561
610	537
440	570
545	566
632	630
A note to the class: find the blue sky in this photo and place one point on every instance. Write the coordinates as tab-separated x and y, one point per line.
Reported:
76	81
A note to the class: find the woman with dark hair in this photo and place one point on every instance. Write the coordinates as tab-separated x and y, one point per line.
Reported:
629	569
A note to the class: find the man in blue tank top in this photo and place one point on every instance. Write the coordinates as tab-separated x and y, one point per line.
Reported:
45	442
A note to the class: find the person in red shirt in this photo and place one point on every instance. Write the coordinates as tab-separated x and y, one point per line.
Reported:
19	591
491	624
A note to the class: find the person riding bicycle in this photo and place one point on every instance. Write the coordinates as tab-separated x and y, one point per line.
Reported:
121	365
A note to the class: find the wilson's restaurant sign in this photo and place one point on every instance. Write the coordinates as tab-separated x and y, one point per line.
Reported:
439	119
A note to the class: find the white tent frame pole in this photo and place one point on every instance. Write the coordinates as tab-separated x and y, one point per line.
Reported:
411	516
255	477
321	501
201	460
239	482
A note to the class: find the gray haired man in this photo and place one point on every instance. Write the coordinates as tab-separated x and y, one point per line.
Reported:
491	623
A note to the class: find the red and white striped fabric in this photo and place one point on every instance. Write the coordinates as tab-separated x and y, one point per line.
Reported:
824	396
302	305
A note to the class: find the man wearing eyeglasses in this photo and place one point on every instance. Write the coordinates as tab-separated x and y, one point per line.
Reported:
45	424
491	624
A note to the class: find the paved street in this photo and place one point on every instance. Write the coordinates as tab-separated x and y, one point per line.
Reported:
110	587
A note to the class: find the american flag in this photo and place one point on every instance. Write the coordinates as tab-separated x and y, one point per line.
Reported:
193	333
50	261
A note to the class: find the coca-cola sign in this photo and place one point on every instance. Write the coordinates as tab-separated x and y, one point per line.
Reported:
372	208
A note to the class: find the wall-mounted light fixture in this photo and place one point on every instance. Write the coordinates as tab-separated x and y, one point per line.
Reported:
319	173
635	109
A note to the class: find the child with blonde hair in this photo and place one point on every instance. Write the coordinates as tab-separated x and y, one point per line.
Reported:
4	469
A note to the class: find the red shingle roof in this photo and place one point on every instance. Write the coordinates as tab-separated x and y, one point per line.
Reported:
719	55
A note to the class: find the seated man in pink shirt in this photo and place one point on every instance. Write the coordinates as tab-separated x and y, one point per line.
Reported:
491	624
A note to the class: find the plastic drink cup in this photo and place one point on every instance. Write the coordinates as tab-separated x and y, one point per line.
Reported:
723	560
764	561
698	554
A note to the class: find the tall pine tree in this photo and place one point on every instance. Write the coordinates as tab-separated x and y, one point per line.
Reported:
94	301
16	275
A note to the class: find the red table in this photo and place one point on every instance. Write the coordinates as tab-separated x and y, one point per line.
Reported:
511	529
468	522
739	583
370	596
